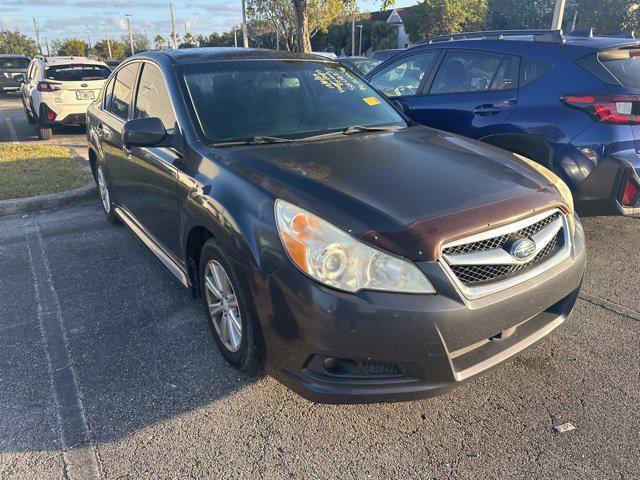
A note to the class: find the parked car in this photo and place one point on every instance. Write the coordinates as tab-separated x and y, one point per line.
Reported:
382	55
57	91
568	102
329	55
354	255
359	65
10	66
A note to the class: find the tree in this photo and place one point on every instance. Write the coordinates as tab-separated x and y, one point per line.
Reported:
15	42
188	41
140	43
519	14
72	47
606	16
438	17
317	16
101	49
159	42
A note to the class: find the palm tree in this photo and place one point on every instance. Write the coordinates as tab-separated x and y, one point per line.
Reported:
159	42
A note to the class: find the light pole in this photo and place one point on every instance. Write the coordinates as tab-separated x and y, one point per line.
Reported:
88	43
35	26
128	15
245	34
235	36
353	36
106	36
360	40
174	40
46	42
558	14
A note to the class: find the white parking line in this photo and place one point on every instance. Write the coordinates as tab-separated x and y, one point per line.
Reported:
12	131
79	454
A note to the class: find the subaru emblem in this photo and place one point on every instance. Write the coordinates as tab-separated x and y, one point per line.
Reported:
523	249
84	85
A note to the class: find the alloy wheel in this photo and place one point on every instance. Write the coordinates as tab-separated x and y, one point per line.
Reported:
223	306
104	191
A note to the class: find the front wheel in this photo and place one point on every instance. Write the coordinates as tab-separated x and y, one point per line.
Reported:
105	195
226	306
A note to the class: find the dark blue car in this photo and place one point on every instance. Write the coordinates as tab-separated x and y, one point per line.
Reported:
570	102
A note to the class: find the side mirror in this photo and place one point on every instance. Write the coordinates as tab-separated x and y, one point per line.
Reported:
19	77
143	132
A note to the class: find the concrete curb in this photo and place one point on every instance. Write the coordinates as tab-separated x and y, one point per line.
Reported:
48	202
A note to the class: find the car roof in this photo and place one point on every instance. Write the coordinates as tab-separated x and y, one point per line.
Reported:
210	54
513	39
13	55
62	60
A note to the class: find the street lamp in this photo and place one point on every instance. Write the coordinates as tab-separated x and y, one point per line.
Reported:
106	35
360	40
128	15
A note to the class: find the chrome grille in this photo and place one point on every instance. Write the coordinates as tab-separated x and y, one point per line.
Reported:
476	274
484	263
501	240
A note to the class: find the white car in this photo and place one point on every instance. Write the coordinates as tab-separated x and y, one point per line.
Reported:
57	91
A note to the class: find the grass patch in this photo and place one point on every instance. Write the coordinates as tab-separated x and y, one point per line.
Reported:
27	170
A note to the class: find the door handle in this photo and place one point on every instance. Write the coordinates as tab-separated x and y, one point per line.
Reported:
487	109
127	152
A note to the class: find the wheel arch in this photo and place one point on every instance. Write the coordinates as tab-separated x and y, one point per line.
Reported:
531	146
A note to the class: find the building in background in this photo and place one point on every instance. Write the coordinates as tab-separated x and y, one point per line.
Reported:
394	18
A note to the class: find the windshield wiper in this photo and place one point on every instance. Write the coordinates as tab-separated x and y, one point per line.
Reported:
353	129
257	140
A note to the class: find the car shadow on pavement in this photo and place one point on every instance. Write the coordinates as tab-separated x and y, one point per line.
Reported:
140	346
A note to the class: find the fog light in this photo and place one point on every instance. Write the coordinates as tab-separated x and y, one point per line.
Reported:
630	192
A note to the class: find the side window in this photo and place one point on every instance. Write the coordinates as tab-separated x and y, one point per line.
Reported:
108	94
403	76
473	72
153	98
531	70
30	71
122	87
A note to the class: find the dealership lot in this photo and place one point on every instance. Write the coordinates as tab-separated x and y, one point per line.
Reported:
105	357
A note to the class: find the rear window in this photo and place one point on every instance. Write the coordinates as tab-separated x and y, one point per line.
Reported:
623	64
531	70
77	73
14	62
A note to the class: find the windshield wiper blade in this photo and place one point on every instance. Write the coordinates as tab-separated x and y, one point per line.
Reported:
257	140
352	129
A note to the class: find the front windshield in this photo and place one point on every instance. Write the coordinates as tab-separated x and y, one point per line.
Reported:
281	98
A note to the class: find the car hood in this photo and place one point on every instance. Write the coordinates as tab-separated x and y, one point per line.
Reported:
387	188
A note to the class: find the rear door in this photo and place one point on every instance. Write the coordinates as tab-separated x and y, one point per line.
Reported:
151	191
114	113
471	93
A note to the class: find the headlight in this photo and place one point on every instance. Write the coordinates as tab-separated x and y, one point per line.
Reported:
335	258
555	180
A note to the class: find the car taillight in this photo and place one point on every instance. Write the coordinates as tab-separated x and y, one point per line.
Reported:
607	108
630	194
48	86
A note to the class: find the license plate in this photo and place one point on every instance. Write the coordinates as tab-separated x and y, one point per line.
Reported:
85	95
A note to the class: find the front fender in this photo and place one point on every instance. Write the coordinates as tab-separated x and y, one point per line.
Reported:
237	213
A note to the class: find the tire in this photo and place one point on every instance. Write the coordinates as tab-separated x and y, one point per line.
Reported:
44	133
29	117
235	339
106	199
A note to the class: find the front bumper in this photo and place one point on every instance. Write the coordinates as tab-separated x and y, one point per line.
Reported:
334	347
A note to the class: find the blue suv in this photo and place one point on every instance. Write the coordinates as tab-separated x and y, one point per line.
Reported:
570	102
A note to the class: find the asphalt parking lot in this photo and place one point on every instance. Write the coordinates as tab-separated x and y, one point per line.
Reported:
108	370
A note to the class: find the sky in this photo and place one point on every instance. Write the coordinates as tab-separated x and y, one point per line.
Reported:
86	18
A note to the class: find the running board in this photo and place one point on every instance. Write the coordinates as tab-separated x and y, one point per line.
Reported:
148	239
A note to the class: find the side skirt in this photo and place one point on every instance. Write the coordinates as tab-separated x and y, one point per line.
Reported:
149	240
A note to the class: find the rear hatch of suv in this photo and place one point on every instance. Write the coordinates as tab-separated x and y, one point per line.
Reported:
75	82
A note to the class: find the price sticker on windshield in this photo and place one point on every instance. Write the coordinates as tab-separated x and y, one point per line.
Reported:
371	101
